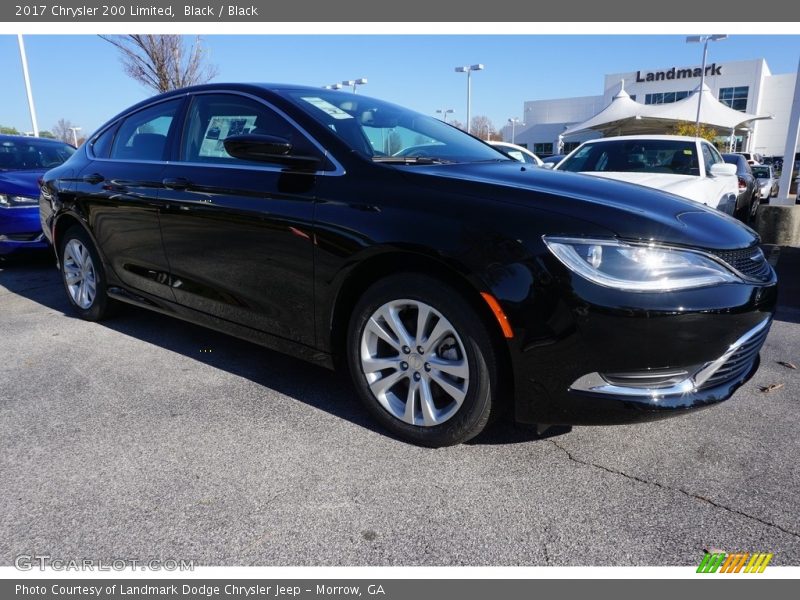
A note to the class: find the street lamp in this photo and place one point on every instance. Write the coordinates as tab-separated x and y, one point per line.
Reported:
75	131
355	82
703	39
444	112
514	122
468	70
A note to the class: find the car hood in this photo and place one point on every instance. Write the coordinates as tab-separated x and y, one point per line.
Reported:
20	183
632	212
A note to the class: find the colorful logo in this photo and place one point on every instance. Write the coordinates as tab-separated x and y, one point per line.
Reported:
744	562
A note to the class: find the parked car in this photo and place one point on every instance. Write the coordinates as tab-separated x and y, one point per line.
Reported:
748	198
751	157
685	166
766	181
449	283
552	160
518	153
23	160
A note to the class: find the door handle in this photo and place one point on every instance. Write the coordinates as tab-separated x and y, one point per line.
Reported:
93	178
176	183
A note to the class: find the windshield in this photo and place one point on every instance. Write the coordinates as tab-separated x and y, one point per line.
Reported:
32	154
635	156
388	133
761	172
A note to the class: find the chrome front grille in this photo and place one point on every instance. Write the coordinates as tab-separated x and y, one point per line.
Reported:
736	361
750	262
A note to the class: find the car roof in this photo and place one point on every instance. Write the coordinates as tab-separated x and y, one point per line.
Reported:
643	137
27	138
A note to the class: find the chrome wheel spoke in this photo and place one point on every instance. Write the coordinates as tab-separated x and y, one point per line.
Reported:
411	404
442	329
384	333
391	316
426	400
456	368
384	384
455	392
373	365
79	274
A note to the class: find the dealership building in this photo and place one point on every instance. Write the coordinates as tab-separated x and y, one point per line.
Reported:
748	86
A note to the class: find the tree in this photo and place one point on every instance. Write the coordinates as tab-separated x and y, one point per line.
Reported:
47	134
5	130
482	127
689	128
62	131
457	123
163	62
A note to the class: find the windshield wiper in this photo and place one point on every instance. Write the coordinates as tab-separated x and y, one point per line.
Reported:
410	160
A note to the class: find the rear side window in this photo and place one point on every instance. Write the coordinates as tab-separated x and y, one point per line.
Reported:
214	117
101	145
143	135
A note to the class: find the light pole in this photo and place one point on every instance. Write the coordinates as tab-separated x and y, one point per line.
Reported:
703	39
444	112
27	77
75	131
355	82
514	121
468	70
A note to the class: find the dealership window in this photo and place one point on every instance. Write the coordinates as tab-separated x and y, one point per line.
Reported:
735	97
570	146
664	97
543	149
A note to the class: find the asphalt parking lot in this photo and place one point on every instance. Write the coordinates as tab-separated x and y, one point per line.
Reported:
145	437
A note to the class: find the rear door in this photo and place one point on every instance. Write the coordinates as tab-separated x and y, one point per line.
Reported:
238	234
119	193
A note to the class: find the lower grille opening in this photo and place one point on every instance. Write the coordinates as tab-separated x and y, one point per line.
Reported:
655	379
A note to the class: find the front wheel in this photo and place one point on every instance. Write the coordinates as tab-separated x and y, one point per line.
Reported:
422	361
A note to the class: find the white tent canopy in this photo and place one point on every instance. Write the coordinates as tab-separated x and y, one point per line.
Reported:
624	116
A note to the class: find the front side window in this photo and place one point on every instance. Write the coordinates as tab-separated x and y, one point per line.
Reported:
643	156
215	117
143	135
385	132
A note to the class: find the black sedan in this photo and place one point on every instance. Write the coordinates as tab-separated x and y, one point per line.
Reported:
451	283
749	198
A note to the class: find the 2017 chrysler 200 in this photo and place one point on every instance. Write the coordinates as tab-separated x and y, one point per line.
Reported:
450	279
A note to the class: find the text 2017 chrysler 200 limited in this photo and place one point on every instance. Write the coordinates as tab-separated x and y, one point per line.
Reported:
450	280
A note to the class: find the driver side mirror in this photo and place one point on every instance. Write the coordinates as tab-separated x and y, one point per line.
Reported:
266	148
722	169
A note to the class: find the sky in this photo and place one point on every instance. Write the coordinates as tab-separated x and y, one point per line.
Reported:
79	77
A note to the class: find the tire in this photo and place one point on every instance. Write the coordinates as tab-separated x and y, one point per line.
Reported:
449	373
83	275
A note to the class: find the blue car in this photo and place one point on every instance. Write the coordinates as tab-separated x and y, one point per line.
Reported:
23	160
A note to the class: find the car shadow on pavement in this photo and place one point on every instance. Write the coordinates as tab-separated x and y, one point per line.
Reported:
38	280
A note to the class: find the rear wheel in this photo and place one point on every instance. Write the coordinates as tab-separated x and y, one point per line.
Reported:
422	361
83	275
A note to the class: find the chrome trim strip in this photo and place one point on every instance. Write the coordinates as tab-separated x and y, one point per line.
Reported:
338	168
594	382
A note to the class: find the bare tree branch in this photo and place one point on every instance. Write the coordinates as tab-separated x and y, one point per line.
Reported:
163	62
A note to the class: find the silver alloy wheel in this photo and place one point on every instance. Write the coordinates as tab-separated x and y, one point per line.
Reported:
414	362
79	274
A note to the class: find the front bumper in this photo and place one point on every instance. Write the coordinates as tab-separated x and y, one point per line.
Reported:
20	230
602	361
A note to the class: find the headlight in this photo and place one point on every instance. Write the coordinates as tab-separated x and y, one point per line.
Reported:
638	268
8	201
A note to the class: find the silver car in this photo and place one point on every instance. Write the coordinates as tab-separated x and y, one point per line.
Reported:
766	181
